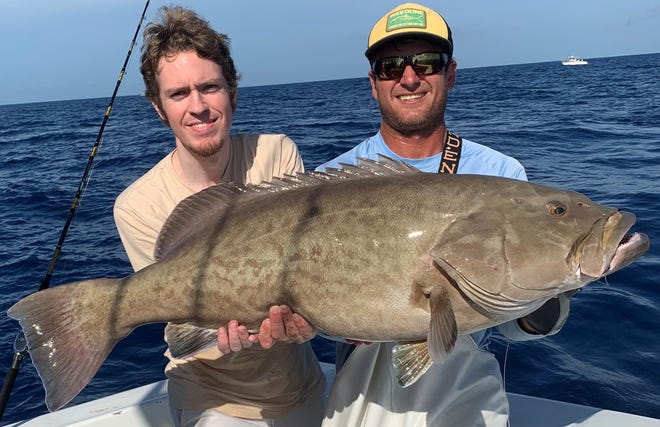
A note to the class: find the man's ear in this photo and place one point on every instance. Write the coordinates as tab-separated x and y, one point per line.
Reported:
162	116
372	79
451	74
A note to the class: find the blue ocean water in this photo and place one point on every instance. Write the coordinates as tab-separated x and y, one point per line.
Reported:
593	129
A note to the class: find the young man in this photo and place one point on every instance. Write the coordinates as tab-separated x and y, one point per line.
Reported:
192	83
412	69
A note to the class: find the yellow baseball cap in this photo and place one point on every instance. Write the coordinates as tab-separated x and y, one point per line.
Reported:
410	20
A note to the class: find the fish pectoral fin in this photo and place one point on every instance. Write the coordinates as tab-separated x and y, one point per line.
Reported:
185	340
410	362
443	330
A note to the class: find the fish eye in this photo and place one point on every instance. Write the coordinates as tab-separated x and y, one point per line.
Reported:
556	208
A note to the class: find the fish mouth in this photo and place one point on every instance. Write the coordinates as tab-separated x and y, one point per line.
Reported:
608	247
631	247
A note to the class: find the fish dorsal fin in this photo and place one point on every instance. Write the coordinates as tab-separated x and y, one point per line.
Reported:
384	166
410	361
201	210
194	213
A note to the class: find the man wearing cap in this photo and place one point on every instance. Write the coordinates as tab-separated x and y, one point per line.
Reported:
412	69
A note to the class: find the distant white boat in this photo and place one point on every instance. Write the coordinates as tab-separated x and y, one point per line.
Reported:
574	60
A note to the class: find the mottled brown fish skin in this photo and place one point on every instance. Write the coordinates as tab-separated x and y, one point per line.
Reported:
383	258
344	252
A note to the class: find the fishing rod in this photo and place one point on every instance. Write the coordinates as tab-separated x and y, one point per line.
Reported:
20	344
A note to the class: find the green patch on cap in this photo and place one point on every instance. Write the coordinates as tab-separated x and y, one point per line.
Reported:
407	18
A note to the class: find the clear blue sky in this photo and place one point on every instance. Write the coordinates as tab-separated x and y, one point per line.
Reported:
71	49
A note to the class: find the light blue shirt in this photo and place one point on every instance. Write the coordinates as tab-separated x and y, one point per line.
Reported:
475	159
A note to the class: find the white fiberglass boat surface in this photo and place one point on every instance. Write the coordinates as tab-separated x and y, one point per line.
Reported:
147	406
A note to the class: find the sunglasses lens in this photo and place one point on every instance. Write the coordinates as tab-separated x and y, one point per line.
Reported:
423	63
389	68
428	63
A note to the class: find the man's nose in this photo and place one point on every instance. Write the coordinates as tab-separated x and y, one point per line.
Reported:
197	102
409	77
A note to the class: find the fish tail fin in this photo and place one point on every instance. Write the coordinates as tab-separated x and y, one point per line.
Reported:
65	335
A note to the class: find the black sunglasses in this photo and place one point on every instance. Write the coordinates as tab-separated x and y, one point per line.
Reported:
425	63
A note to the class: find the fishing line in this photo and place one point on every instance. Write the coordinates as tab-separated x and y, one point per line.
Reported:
506	358
20	345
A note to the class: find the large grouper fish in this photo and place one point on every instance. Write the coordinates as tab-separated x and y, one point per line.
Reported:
373	252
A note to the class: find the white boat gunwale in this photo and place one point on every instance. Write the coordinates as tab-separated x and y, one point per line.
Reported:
148	406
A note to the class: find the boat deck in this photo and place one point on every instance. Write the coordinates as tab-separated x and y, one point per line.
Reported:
147	406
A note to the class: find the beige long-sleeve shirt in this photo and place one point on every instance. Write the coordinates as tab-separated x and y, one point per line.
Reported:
252	383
